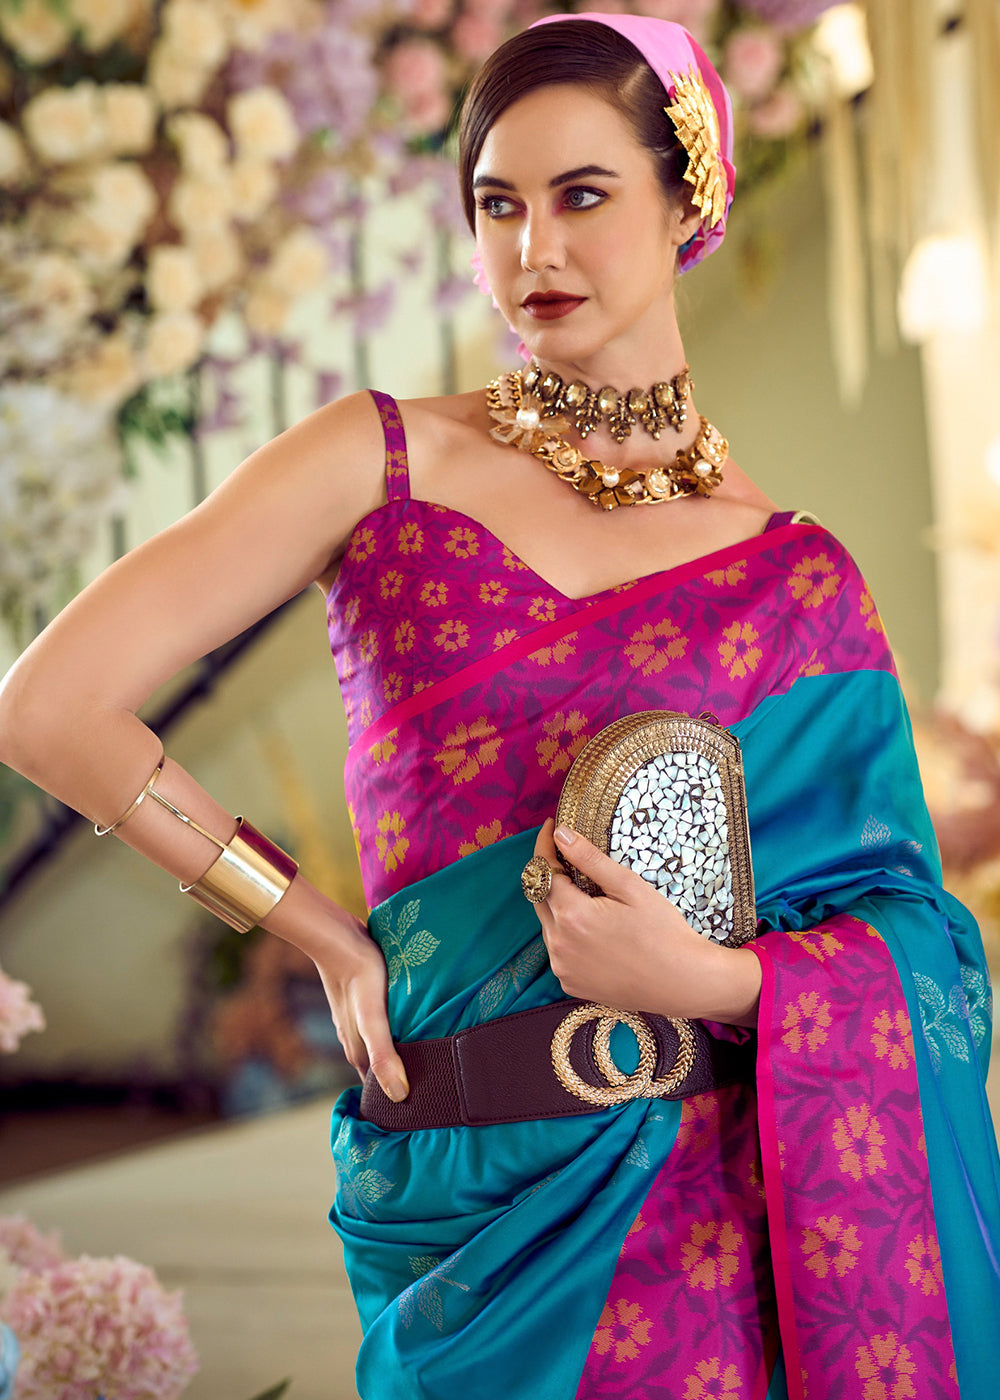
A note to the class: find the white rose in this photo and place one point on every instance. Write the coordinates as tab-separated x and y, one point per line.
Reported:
107	375
253	185
130	114
201	143
99	21
266	309
192	28
66	124
299	263
173	343
122	198
58	284
34	30
218	257
172	280
176	80
262	124
14	164
197	205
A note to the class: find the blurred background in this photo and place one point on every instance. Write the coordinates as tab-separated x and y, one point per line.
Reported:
216	215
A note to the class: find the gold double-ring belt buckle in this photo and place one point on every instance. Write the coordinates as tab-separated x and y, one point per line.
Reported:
621	1088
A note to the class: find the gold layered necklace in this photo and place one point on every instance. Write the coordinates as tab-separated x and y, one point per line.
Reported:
586	408
519	414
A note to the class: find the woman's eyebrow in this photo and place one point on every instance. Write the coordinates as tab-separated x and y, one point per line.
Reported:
579	173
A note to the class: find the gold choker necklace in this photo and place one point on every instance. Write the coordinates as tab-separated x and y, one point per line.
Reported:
695	470
587	408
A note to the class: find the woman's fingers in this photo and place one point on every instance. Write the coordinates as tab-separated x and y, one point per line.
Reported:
383	1058
615	880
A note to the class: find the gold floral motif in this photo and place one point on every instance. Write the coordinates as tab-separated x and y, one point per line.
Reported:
737	651
368	644
452	635
694	116
390	843
362	545
831	1244
467	749
404	637
814	666
859	1139
566	735
434	594
542	609
886	1368
365	713
410	539
711	1382
817	942
624	1326
385	748
392	687
701	1123
711	1257
893	1037
504	638
806	1023
924	1265
352	817
812	580
654	645
730	575
390	584
462	542
557	653
511	561
485	836
870	613
493	591
352	611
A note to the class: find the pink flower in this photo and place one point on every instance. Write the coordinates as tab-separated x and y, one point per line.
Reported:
18	1013
752	61
778	116
98	1326
26	1247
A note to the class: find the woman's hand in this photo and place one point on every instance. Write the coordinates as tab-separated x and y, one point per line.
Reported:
353	972
354	978
631	948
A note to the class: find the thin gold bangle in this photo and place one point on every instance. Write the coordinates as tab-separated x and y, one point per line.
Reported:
148	789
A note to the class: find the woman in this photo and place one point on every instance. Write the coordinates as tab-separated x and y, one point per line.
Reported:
826	1214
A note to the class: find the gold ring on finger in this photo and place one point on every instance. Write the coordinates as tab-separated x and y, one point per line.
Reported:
536	879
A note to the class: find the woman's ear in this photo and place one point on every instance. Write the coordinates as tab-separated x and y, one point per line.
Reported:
687	218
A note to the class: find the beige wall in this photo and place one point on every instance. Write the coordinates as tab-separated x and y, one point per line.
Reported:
99	932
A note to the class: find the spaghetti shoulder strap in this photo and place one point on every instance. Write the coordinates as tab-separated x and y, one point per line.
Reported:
397	467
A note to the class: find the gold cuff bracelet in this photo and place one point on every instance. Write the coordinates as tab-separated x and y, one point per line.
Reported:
247	879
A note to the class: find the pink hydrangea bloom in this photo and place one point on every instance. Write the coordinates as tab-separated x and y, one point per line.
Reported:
778	116
18	1013
752	61
26	1246
93	1327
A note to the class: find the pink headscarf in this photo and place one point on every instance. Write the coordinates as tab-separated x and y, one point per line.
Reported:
668	48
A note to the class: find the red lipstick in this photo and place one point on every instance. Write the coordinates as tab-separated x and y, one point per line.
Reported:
550	306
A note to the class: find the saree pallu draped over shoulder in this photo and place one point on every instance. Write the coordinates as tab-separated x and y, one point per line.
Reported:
833	1231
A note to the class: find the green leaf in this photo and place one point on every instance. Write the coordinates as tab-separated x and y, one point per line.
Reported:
419	947
276	1391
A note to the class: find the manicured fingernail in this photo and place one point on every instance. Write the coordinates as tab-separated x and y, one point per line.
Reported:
397	1089
565	835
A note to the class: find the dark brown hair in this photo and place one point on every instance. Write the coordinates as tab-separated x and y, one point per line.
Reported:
581	52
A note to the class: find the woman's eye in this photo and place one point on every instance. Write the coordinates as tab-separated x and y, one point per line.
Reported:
494	206
583	199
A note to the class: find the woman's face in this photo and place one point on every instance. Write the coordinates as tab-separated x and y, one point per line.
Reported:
568	202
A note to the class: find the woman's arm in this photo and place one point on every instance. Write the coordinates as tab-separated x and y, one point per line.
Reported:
68	706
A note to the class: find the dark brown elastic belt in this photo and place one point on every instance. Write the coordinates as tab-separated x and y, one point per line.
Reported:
550	1062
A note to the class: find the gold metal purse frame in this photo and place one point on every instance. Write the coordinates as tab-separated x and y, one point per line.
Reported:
594	784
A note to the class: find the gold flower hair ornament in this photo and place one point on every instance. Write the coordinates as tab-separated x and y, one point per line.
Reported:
694	116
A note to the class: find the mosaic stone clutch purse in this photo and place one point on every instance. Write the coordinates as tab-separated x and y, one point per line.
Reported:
663	794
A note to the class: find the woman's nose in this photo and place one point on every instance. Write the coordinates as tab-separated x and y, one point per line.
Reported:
541	245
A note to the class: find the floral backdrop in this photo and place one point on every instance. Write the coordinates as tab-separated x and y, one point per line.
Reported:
165	161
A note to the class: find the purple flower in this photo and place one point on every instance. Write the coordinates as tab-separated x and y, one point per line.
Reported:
789	14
